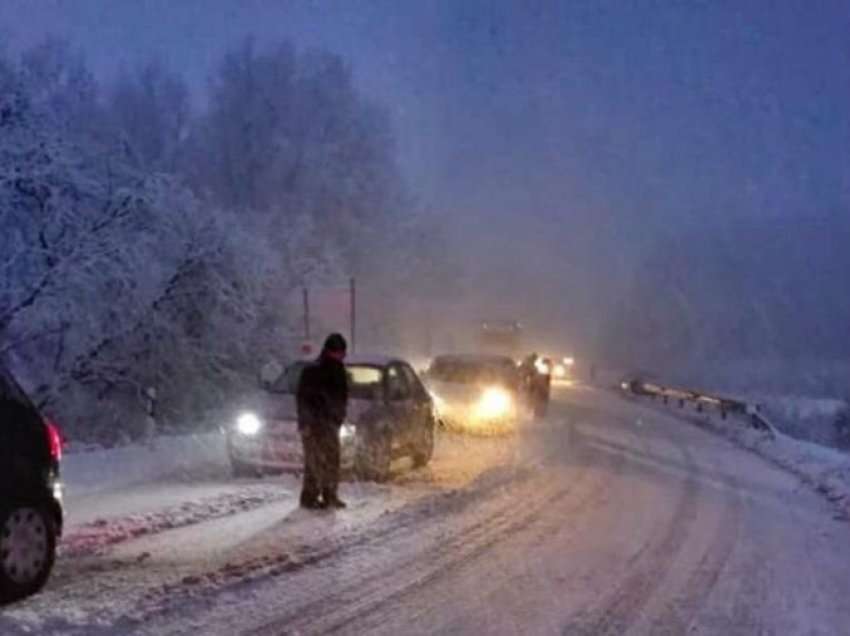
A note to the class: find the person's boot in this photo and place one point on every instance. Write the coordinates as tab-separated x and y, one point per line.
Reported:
333	501
310	503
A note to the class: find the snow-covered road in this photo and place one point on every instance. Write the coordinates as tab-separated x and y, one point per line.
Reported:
608	517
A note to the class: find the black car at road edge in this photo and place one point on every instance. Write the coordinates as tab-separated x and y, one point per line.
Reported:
31	511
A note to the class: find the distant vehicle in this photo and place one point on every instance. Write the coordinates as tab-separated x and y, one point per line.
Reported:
31	511
536	380
500	337
476	392
562	370
390	415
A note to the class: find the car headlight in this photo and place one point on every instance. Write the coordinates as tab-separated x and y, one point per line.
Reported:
560	371
346	432
248	424
494	403
542	367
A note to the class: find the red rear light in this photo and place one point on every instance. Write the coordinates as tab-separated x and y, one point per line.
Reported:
54	440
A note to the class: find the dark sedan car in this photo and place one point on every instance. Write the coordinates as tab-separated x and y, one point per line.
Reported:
30	493
390	415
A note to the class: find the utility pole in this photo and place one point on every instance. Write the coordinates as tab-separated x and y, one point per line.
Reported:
306	298
353	296
429	336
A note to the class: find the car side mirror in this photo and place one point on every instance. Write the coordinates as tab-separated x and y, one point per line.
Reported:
269	374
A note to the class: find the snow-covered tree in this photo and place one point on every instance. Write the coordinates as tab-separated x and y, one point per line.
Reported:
152	112
147	246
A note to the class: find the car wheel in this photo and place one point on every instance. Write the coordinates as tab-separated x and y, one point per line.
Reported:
27	550
373	457
425	449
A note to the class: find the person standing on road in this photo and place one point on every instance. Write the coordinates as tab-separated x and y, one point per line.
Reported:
322	400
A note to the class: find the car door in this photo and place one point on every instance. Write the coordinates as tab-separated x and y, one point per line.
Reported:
399	404
421	411
23	451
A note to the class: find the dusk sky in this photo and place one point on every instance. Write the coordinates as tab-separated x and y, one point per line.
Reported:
590	128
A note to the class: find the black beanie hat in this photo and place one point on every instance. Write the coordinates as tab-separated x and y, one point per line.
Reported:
335	342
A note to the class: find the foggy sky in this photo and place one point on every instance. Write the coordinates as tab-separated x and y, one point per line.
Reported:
563	136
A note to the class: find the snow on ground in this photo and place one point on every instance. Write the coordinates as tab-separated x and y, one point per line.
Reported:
99	470
823	421
607	517
148	525
824	468
804	416
94	537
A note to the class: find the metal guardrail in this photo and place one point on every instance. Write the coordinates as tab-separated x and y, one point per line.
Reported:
701	401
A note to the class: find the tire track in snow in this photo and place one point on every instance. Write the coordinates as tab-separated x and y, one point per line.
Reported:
95	538
561	515
126	593
361	596
372	595
680	612
292	560
624	605
147	601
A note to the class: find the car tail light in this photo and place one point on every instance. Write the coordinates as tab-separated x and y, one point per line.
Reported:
54	440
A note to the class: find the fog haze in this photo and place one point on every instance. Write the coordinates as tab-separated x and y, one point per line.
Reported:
559	145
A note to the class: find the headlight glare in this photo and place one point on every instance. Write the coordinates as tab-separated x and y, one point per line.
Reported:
248	424
494	403
542	367
439	403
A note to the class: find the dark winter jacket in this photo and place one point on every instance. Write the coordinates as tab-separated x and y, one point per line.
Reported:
322	395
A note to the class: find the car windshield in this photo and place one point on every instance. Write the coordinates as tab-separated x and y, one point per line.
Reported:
470	372
365	381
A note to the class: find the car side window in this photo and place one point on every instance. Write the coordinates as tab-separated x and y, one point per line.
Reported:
397	386
416	389
287	382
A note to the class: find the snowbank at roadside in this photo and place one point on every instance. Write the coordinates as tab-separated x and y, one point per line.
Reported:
808	418
108	469
820	420
825	469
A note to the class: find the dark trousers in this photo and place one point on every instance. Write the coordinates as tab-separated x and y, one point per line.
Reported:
321	464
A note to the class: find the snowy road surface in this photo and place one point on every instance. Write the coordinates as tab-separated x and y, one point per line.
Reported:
606	518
